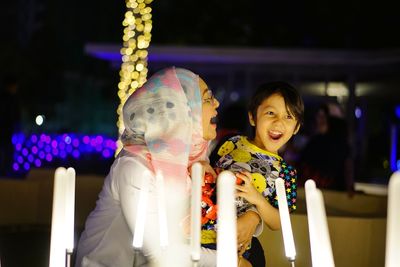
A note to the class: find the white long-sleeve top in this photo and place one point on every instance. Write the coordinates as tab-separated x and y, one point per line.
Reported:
107	238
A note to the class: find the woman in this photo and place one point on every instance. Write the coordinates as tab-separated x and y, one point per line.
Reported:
168	124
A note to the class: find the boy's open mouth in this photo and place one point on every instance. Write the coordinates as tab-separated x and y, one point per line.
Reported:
275	135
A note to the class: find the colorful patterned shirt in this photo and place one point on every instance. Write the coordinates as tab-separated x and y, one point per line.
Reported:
238	154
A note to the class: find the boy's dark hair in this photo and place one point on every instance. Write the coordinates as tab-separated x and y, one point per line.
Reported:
294	102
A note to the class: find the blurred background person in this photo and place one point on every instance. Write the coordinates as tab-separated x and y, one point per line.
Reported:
326	158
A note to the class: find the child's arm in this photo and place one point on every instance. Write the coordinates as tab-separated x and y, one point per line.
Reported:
268	213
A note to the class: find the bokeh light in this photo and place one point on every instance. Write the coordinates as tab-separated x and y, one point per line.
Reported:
32	151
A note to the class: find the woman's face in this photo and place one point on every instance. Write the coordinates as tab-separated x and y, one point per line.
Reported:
209	107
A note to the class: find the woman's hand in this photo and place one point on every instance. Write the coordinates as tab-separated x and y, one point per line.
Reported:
247	190
246	226
208	169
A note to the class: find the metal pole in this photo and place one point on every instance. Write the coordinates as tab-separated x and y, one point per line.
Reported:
135	256
138	258
68	256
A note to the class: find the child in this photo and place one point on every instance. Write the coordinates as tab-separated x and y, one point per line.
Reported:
275	114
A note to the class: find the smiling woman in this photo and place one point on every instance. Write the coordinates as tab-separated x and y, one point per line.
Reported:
168	125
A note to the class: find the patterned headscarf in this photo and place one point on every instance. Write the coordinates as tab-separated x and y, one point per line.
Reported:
163	122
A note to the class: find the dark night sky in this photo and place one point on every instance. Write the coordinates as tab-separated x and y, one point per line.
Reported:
353	24
43	41
343	24
34	30
43	38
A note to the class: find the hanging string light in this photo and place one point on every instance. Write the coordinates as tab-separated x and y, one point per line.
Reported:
136	40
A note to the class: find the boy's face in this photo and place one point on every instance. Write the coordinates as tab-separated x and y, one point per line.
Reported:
274	126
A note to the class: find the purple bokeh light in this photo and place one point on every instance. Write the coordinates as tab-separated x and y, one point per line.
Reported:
34	150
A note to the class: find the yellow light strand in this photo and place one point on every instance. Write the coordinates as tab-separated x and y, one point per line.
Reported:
136	40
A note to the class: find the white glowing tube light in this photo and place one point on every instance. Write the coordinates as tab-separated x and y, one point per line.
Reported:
161	205
70	209
392	257
62	222
226	237
197	174
321	250
138	235
290	250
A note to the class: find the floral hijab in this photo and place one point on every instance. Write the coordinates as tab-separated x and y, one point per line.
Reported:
163	123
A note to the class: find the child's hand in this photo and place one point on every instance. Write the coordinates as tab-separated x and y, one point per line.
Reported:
247	190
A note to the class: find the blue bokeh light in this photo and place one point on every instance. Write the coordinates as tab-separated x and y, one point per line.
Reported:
35	150
397	111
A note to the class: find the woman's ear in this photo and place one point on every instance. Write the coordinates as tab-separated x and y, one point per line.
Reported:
297	129
251	120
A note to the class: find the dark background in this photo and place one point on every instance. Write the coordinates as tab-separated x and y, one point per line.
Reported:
43	44
43	41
